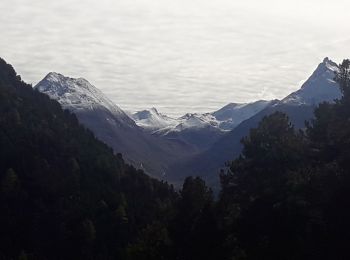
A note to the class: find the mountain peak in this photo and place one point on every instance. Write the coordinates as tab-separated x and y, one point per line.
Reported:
54	75
320	86
326	60
79	95
151	119
329	65
56	82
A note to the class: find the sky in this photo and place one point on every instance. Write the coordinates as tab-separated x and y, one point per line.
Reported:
179	56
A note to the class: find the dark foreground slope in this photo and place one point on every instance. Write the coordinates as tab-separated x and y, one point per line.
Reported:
63	193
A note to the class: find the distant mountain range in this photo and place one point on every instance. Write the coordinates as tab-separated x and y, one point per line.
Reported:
199	130
194	144
224	119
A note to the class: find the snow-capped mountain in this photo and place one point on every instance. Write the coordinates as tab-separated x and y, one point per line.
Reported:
152	120
79	95
196	120
318	88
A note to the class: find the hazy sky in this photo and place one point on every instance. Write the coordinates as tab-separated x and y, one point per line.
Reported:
177	55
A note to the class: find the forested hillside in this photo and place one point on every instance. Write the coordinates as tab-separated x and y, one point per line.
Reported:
288	195
63	194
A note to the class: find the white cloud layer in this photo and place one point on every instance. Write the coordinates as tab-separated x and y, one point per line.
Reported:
180	56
